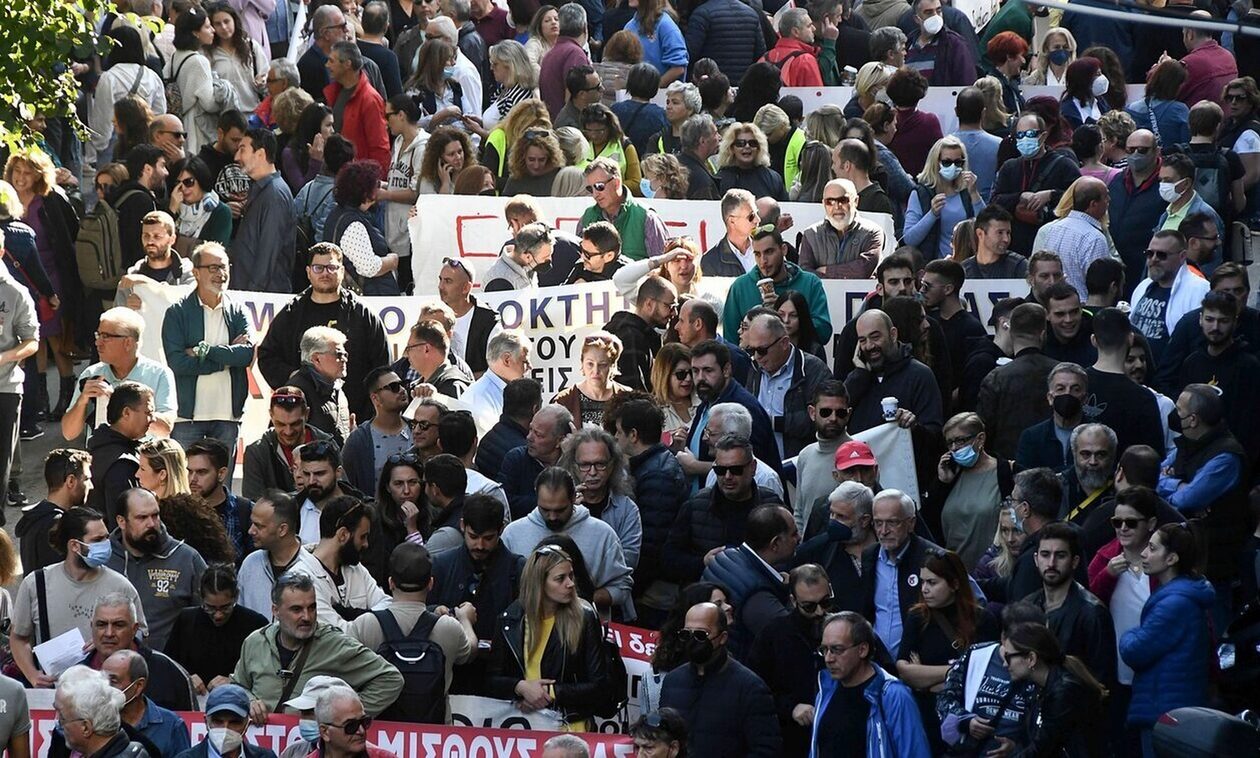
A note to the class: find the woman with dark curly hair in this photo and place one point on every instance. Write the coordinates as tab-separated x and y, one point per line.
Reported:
349	226
917	130
793	308
401	510
533	163
237	59
1082	100
303	157
188	518
447	153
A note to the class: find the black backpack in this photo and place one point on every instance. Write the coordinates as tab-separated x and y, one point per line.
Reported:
422	663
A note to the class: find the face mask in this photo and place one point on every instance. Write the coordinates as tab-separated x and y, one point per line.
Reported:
97	553
966	457
1028	146
838	532
1168	191
1174	422
130	698
934	25
543	267
226	740
448	72
308	729
1100	86
1059	57
1140	162
1019	522
950	173
645	188
1067	406
699	652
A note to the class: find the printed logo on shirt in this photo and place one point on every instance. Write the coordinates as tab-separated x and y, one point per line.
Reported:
164	581
232	181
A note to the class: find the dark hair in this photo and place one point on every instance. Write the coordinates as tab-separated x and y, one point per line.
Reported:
356	183
575	79
457	433
969	105
1196	225
65	462
447	473
766	522
389	511
375	17
643	417
188	518
860	630
581	574
948	566
643	81
759	86
1085	141
992	213
792	106
140	156
127	46
1037	638
212	448
1183	165
1111	329
1042	490
1229	270
716	348
342	511
284	508
186	27
1221	302
264	140
556	478
321	451
409	105
1141	499
669	727
220	577
1079	78
950	270
308	126
703	311
338	151
1061	290
714	90
483	513
1021	612
1061	530
125	395
1140	464
1103	273
1181	539
895	261
71	525
906	87
604	235
806	333
669	652
232	119
198	169
522	397
1165	80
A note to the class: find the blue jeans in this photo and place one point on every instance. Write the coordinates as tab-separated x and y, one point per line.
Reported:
227	432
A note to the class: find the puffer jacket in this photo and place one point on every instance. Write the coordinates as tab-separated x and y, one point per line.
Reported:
660	489
729	711
706	521
503	437
580	675
1170	649
796	426
723	30
759	596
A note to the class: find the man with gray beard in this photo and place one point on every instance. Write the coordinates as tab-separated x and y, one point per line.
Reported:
1090	480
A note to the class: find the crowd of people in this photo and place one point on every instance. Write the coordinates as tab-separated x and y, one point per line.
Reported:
1049	580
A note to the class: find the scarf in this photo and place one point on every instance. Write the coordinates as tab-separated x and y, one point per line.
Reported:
193	216
510	97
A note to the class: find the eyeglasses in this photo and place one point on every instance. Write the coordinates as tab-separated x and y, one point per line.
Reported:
959	162
1008	657
422	426
1125	523
588	255
758	352
745	143
834	201
736	470
596	187
325	268
1138	150
692	635
218	610
750	218
176	135
891	523
287	399
187	183
834	650
214	268
352	726
810	606
395	386
958	442
682	374
1159	255
105	336
826	412
1029	133
592	88
338	355
600	466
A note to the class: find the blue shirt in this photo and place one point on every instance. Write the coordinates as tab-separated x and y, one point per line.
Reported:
165	728
982	152
887	599
1220	474
150	373
666	47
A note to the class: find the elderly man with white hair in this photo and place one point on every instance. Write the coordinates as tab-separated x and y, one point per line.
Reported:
343	725
843	245
566	746
507	358
321	377
89	714
839	548
118	345
890	568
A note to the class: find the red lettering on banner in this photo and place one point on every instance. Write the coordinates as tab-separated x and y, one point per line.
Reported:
459	237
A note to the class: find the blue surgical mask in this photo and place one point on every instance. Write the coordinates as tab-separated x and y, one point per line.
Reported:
309	730
950	173
1059	57
448	72
966	457
1028	146
645	188
97	553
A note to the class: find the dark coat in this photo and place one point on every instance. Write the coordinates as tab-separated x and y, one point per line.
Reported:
785	656
846	584
501	575
130	213
1188	337
1038	446
115	462
1139	205
640	343
722	30
61	223
720	261
326	400
760	598
909	565
32	533
1012	399
912	383
517	475
1084	629
729	712
660	489
982	359
1053	171
706	521
701	184
265	467
808	372
483	323
1064	719
581	676
504	436
764	446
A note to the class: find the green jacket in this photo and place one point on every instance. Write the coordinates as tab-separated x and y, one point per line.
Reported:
184	327
744	295
332	654
629	224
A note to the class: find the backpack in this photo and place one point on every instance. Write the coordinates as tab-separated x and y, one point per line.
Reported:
782	62
174	96
98	248
304	229
422	662
1211	176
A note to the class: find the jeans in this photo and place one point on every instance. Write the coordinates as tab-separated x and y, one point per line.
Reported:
227	432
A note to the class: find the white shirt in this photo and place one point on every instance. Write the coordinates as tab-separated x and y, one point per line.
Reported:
485	397
357	590
459	339
745	259
1132	592
214	391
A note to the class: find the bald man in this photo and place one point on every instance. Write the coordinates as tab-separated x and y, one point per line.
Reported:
884	368
167	133
1078	237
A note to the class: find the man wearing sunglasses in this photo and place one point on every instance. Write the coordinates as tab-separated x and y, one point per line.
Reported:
843	245
371	444
785	378
642	231
733	254
1169	291
828	410
1135	198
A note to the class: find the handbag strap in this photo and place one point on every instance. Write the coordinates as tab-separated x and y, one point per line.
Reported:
1150	111
41	597
297	674
135	86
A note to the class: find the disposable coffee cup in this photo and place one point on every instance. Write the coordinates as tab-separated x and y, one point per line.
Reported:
766	286
889	404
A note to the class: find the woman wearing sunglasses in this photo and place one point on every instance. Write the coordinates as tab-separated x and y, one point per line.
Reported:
602	129
672	387
200	214
743	161
945	622
944	194
549	650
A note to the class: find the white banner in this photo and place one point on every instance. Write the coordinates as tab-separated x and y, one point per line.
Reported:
894	450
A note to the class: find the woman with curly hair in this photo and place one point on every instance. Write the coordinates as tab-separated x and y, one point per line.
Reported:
303	157
1082	99
743	161
527	115
664	177
587	398
533	163
446	154
793	309
237	59
917	130
678	264
349	226
188	518
602	129
287	109
50	216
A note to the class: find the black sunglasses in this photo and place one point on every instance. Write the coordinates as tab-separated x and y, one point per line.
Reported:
688	635
682	374
758	352
1159	255
595	187
1125	523
394	386
737	470
352	726
745	143
826	412
828	604
959	162
286	400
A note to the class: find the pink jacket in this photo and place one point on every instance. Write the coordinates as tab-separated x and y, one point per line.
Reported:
1101	582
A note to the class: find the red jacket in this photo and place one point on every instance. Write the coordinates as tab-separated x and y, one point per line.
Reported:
1209	68
1101	582
802	70
363	122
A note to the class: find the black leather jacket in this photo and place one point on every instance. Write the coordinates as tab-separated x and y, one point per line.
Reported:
1063	719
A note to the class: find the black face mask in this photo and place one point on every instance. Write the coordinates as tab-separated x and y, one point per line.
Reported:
1174	421
699	651
1067	406
543	267
810	624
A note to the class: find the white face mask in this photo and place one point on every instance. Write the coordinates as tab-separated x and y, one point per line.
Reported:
1168	191
1100	86
225	740
932	26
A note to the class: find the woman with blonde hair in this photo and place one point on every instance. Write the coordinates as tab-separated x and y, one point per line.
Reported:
447	152
574	146
287	109
533	163
587	399
1058	51
570	182
743	161
672	386
677	264
528	114
664	177
871	80
826	123
163	468
548	649
998	560
945	193
518	81
41	206
544	30
996	119
963	241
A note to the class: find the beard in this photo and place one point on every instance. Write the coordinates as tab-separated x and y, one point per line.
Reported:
830	430
148	542
349	554
1092	479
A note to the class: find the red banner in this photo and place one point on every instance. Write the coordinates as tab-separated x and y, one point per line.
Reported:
411	740
635	643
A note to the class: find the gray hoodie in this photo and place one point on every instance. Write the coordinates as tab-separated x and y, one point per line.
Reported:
18	323
168	581
605	560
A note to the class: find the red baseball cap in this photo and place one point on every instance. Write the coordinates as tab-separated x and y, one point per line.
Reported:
854	453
